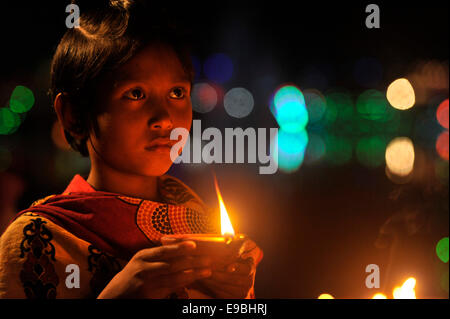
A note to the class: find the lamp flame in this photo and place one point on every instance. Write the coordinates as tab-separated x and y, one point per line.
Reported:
225	223
406	291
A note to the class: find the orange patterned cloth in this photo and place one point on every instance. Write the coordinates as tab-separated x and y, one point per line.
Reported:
122	225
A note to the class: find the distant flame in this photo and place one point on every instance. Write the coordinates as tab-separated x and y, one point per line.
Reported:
325	296
406	291
225	223
379	296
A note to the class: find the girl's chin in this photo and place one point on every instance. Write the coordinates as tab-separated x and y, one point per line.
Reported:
157	168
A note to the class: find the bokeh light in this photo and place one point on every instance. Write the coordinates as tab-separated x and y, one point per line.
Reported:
442	249
432	74
22	99
315	105
368	72
204	97
442	114
400	156
238	102
339	149
331	114
291	149
289	108
407	290
5	158
370	151
197	67
339	107
325	296
379	296
400	94
316	148
442	145
218	68
372	105
9	121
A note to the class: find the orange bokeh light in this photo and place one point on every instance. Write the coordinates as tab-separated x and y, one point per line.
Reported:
442	114
442	145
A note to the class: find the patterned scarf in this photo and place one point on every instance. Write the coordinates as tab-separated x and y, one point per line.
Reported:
122	225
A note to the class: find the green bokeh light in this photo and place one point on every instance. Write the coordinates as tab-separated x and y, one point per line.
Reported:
339	149
372	105
316	148
22	99
339	107
315	105
9	121
370	151
442	249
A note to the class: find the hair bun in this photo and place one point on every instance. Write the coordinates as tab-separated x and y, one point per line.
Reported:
89	5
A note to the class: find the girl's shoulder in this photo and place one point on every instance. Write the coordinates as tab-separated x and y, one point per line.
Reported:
40	259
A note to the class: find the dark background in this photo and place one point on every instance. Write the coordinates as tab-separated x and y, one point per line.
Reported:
320	226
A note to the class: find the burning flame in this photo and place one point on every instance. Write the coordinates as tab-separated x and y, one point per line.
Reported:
225	223
406	291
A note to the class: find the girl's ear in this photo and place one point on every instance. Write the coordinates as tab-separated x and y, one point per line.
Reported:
64	111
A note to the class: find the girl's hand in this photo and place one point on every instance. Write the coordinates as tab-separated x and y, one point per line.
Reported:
236	282
157	272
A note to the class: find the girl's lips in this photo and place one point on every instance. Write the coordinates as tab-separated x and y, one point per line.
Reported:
159	148
160	144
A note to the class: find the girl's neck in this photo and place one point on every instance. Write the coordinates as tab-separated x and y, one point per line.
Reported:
110	180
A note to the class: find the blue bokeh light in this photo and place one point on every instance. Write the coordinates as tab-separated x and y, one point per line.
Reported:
289	108
291	149
218	68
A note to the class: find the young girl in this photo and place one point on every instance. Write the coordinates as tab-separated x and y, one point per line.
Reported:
120	83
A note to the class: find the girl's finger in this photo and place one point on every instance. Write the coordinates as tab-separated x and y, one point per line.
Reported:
182	278
189	262
167	240
245	267
167	252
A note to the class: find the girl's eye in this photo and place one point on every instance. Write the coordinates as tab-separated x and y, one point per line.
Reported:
135	94
177	93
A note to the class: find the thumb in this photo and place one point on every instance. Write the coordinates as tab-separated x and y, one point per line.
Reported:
167	240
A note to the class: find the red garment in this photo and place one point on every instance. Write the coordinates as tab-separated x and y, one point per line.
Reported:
122	225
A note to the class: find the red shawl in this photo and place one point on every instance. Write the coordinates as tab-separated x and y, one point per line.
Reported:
122	225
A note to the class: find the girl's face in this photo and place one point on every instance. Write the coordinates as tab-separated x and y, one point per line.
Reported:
147	98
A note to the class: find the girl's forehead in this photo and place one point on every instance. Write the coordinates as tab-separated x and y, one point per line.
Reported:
152	62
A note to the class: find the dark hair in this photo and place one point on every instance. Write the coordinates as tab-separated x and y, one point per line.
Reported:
110	33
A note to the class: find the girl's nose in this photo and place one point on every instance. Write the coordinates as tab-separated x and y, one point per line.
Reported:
160	121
